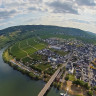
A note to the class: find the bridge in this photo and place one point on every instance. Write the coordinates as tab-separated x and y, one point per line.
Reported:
47	86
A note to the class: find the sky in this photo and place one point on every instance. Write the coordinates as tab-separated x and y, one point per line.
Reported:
67	13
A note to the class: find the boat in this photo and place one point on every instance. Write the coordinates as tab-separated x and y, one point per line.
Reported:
61	94
64	94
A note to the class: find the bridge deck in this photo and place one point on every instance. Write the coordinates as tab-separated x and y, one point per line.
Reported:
47	86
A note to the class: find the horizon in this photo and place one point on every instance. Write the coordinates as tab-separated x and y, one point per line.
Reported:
46	25
65	13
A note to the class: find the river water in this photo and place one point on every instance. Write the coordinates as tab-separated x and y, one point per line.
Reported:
14	83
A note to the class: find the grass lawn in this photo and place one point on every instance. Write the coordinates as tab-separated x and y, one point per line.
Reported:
71	77
43	66
60	52
7	56
26	59
20	51
30	50
23	44
3	40
40	46
16	52
32	42
36	56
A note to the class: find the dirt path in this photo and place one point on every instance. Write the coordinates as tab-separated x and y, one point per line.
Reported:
24	51
74	90
63	79
30	45
11	49
38	42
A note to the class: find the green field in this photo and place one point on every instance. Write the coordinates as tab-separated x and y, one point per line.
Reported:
71	77
18	33
17	52
7	56
27	59
43	67
26	48
60	52
3	41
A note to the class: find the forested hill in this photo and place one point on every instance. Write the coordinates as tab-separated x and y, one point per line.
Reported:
25	31
50	29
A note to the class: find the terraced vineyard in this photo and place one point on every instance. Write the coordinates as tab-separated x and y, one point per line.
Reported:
25	48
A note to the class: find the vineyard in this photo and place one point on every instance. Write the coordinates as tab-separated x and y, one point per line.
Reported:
25	48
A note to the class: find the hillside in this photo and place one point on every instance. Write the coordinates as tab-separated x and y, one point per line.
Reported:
25	31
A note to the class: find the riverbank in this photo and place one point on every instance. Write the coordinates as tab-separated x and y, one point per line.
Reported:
7	59
13	83
77	90
73	90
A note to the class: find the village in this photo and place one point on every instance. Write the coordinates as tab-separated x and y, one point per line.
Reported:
81	61
58	52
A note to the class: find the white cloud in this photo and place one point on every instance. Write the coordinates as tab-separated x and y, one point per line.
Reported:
86	2
4	14
63	7
72	13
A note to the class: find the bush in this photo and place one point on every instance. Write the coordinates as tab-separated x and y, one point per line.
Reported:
86	86
32	75
36	68
67	78
94	88
90	93
81	83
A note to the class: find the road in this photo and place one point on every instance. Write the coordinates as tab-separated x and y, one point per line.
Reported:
47	86
63	79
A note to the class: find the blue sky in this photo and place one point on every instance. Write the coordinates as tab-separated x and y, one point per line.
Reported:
68	13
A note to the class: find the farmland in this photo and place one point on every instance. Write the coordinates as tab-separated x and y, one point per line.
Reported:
60	52
25	52
42	66
17	33
26	48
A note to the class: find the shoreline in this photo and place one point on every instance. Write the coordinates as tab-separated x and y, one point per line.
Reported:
73	90
58	85
25	72
16	67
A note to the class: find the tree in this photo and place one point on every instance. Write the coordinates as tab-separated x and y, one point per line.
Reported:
58	85
90	93
17	59
94	88
67	78
86	86
32	75
77	82
81	83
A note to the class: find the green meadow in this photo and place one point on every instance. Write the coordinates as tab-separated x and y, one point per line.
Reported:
26	48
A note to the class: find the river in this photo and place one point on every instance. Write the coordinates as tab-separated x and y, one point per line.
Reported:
14	83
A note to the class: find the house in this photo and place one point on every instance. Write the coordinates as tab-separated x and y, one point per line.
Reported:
71	71
50	59
55	47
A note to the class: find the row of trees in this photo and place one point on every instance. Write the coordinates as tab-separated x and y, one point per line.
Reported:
81	83
50	71
90	93
36	68
84	85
